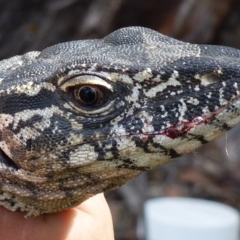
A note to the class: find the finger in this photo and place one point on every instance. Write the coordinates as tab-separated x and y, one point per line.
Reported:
89	220
96	214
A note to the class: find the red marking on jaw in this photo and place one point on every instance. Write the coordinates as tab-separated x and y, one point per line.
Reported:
178	130
183	127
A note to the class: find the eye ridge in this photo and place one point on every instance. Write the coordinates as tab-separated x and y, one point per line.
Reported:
90	95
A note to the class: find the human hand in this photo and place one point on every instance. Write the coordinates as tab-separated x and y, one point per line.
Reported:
89	221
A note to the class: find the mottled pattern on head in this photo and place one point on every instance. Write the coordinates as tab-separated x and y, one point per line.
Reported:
161	98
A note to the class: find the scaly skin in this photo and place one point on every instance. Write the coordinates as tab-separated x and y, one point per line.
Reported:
84	117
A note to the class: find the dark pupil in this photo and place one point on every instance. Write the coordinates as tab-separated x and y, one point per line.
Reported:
87	95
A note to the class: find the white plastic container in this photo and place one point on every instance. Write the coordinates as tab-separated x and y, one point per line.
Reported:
190	219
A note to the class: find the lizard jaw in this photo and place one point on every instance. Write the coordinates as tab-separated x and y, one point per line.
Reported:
6	162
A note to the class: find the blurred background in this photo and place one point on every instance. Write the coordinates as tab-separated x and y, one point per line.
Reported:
211	172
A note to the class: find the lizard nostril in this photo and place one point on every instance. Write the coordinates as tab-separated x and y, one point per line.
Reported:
208	78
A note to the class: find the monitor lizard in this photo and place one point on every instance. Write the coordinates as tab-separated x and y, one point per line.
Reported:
83	117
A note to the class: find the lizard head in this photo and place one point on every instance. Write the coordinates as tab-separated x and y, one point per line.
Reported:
98	112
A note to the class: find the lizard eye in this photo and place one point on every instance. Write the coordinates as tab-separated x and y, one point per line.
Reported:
90	95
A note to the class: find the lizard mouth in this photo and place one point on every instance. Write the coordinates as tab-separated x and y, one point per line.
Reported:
6	162
185	126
